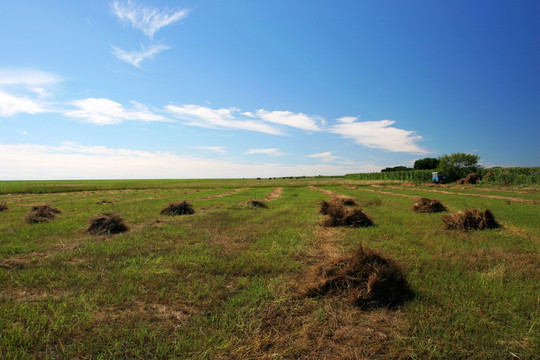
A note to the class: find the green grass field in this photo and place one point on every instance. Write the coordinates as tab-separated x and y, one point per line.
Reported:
224	282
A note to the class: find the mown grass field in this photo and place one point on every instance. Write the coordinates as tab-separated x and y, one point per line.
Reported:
224	282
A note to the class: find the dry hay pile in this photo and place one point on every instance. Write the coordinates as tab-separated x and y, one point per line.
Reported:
106	224
341	215
178	208
365	278
335	203
470	219
41	213
3	206
472	179
488	175
425	205
257	204
105	201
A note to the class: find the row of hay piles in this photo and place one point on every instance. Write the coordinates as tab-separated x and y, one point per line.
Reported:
340	214
425	205
365	278
41	213
471	219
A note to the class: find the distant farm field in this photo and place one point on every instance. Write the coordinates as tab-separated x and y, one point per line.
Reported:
228	281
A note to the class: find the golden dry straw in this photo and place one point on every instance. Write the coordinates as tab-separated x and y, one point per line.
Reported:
471	219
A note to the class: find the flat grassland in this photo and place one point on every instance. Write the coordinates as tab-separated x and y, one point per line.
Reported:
224	283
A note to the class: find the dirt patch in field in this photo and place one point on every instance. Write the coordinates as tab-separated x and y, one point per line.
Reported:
41	213
425	205
25	296
275	194
178	208
107	224
12	263
470	219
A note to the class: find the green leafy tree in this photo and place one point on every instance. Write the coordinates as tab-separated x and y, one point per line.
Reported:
426	164
458	165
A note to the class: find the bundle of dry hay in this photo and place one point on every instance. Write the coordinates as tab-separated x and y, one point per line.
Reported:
41	213
336	203
472	178
105	201
471	219
106	224
178	208
341	215
425	205
3	206
257	204
365	278
488	175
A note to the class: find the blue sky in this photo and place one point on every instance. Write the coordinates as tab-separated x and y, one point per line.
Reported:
218	89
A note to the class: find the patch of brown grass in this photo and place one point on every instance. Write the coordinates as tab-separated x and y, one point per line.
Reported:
299	329
41	213
257	204
364	278
3	206
178	208
470	219
425	205
107	224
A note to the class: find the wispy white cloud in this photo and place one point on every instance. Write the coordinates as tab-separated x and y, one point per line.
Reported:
219	118
108	112
22	91
269	122
218	149
11	105
272	151
28	78
147	19
324	156
288	118
74	161
379	135
136	57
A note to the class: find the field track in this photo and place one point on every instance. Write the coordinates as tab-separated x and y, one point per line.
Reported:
512	199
